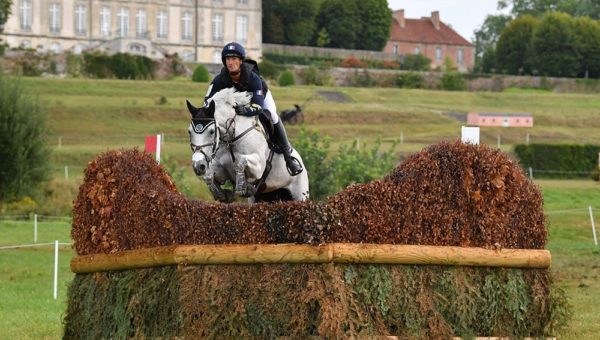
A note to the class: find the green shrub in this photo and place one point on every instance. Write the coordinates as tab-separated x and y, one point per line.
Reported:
23	148
558	160
411	80
269	69
200	74
23	206
362	79
416	62
315	76
453	81
120	65
287	78
314	150
356	164
350	164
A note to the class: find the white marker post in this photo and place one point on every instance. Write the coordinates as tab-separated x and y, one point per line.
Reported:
34	228
470	135
55	269
593	226
158	138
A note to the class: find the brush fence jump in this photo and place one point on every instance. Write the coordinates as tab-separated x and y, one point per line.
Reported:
300	253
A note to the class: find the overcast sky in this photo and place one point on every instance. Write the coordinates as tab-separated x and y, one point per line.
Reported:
465	16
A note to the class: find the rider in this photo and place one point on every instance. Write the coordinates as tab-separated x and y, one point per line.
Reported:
239	74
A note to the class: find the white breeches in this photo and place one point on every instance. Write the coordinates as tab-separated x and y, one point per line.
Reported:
270	105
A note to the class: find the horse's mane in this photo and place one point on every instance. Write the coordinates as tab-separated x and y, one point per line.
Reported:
226	99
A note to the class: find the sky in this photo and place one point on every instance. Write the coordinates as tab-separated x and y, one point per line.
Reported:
464	16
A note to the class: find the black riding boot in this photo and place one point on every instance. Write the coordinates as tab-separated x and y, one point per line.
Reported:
293	165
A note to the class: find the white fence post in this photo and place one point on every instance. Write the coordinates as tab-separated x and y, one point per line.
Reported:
34	228
498	141
55	269
593	226
59	142
527	139
401	137
158	141
66	172
530	173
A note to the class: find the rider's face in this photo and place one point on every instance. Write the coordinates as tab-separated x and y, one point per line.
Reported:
233	64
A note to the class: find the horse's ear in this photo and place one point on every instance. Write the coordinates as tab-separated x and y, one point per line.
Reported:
193	110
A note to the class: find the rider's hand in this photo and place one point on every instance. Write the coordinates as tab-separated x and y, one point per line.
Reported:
251	110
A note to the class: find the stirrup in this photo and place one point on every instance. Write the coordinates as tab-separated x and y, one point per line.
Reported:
297	171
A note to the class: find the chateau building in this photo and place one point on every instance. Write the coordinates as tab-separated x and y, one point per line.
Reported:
430	37
194	29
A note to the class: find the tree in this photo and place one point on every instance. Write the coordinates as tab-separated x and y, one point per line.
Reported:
554	46
299	20
486	38
341	19
5	12
272	25
376	23
513	51
538	8
24	153
587	33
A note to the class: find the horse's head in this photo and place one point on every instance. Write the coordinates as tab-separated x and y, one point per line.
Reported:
225	102
203	137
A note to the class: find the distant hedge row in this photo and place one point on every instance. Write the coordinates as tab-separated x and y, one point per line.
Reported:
559	160
120	65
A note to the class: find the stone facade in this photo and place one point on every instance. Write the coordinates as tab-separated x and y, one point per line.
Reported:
195	29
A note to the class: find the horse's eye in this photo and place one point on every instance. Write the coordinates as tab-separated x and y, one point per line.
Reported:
212	132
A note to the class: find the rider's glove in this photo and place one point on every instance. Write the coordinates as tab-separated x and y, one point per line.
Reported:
251	110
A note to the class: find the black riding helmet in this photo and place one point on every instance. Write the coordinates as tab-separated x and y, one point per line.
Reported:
233	49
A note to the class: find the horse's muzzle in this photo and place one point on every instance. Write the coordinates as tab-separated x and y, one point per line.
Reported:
199	168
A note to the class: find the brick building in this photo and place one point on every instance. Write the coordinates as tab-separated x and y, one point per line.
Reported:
195	29
430	37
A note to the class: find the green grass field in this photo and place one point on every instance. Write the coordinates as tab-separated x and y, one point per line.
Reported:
87	117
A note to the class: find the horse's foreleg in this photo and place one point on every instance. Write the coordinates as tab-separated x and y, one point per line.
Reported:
242	186
214	187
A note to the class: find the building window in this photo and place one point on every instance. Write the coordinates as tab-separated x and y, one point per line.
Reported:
438	53
243	2
137	49
54	18
161	24
77	49
141	24
123	22
395	49
55	48
105	21
80	21
25	15
459	57
217	27
186	26
242	29
187	55
417	50
216	57
26	44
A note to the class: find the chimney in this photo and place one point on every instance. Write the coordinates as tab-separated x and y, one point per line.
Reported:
399	16
435	19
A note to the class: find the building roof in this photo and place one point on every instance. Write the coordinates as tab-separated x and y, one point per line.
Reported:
423	31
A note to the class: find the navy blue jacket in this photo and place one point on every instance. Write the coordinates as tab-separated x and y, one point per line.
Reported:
250	81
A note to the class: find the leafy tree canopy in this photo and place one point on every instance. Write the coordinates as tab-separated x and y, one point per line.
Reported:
4	12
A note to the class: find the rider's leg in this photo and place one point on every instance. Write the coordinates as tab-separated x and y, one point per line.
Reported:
281	139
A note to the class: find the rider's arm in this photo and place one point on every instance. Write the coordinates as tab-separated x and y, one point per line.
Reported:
258	98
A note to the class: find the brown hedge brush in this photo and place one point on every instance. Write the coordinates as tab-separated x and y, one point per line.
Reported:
448	194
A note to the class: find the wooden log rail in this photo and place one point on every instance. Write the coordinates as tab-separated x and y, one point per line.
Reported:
302	253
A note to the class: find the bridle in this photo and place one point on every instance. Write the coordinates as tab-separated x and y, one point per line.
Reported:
199	129
230	131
